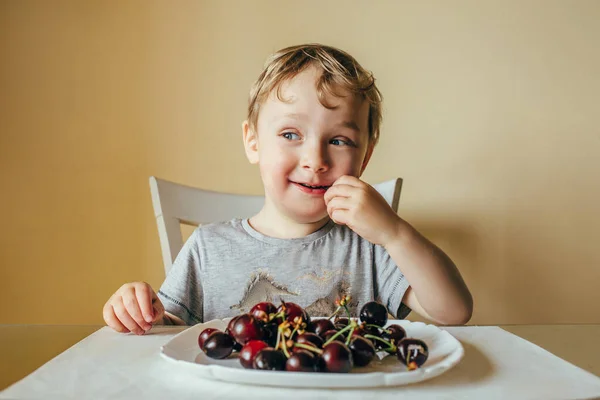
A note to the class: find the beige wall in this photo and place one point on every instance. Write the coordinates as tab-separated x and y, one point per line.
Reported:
491	117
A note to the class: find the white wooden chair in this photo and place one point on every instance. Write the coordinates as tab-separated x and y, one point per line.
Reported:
176	204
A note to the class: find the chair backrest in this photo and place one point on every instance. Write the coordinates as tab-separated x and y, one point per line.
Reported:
176	204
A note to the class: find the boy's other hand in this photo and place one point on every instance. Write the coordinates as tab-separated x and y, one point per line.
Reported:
133	308
358	205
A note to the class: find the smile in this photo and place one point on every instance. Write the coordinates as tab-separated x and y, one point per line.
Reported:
314	187
313	190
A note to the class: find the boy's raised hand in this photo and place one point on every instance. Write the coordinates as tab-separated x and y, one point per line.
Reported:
133	308
358	205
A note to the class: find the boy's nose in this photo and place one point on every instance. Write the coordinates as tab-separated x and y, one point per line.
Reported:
315	159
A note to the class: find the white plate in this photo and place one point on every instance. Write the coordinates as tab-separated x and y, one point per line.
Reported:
444	353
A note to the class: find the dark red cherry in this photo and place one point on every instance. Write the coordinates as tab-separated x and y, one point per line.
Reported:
362	349
327	335
249	351
230	323
204	335
358	331
269	359
293	310
218	345
374	313
394	332
337	357
302	361
270	331
342	322
412	352
246	328
236	345
262	310
310	339
320	326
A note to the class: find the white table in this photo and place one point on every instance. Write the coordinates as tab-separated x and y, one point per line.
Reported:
497	365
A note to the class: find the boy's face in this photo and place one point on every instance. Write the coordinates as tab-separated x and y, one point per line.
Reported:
302	147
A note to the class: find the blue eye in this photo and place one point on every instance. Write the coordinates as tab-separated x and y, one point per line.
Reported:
340	142
291	136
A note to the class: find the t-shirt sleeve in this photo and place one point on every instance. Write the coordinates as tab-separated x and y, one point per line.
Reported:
390	284
181	292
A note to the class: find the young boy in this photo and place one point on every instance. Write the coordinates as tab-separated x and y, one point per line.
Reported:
313	121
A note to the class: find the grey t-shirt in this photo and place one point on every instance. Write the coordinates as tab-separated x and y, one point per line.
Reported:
225	268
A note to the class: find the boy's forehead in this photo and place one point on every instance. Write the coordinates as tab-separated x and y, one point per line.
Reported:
296	95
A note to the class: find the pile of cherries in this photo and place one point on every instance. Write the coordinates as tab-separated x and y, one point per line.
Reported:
285	339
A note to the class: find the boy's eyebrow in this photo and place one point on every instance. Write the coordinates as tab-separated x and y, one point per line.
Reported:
344	124
294	116
350	125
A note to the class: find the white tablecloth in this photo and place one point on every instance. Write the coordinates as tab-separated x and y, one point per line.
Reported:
108	365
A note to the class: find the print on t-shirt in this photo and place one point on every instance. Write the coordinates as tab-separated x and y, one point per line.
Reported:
262	287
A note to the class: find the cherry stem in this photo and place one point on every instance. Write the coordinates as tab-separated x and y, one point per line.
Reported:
284	348
334	313
278	338
347	312
307	347
378	327
280	314
281	341
346	329
390	346
350	335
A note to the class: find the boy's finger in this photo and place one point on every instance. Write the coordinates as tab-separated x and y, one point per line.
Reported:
339	190
133	309
338	203
144	293
348	180
126	319
111	319
339	216
159	309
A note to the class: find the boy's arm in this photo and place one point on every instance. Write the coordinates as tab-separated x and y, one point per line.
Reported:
437	290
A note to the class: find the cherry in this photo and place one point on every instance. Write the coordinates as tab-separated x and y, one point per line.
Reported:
246	328
362	349
269	359
311	339
371	330
341	322
320	326
302	361
218	345
394	332
204	335
249	351
337	357
327	335
293	310
374	313
236	345
230	324
262	310
358	331
412	352
270	331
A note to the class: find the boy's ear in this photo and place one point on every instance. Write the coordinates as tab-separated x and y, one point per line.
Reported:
367	157
250	142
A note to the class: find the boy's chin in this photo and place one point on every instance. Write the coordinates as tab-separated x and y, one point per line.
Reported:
309	218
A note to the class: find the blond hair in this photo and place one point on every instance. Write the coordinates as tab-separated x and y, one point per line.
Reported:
339	71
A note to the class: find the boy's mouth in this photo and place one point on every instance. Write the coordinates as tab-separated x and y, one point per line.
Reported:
318	190
325	187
